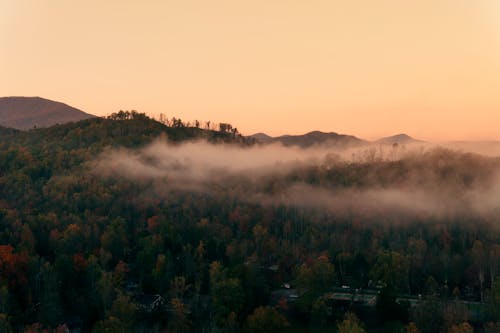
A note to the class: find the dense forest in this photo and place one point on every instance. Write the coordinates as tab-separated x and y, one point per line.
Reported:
127	224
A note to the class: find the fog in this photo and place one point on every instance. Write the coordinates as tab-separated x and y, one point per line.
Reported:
374	181
198	162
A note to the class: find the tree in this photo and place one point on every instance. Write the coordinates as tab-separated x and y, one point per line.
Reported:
461	328
106	290
320	311
392	269
224	128
50	304
179	322
227	297
454	313
317	277
226	293
479	256
495	299
350	324
124	310
178	287
4	299
494	261
110	325
492	327
427	315
431	287
266	319
5	326
27	239
162	272
114	239
412	328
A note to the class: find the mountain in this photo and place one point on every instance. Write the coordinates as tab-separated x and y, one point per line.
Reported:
27	112
312	139
261	137
399	139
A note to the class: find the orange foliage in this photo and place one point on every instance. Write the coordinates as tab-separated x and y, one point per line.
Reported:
13	266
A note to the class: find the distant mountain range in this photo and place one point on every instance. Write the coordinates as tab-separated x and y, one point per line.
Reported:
311	139
24	113
27	112
330	139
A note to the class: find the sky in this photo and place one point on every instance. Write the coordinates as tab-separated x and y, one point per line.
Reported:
429	68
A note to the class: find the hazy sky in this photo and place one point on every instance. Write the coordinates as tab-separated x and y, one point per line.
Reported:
430	68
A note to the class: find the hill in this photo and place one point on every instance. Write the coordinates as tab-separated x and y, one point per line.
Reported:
399	139
27	112
261	137
96	133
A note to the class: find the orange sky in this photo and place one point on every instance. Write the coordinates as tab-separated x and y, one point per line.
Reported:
430	68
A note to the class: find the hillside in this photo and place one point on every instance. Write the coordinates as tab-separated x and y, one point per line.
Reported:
27	112
6	131
94	134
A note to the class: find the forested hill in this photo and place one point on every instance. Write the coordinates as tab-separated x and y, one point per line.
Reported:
8	132
126	129
195	237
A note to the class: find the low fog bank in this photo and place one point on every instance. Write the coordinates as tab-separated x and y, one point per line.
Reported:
486	148
384	203
420	180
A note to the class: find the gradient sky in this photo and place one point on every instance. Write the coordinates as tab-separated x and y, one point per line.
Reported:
430	68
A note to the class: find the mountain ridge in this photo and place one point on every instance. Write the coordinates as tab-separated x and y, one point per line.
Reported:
321	138
311	138
24	113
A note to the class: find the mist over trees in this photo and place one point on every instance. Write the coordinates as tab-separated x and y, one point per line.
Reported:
126	224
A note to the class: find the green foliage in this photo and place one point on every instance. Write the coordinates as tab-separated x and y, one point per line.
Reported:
495	299
320	311
226	293
5	326
427	316
492	327
124	309
111	325
391	268
227	297
50	312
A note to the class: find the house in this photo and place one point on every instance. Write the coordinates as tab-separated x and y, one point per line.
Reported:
150	303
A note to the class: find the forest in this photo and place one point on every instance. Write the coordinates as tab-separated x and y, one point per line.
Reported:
128	224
